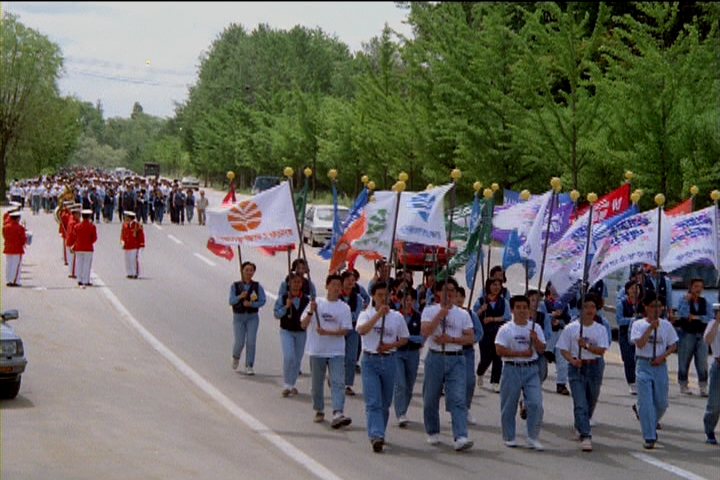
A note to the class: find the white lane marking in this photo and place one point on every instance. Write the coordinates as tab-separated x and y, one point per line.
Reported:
212	264
668	467
157	226
175	239
253	423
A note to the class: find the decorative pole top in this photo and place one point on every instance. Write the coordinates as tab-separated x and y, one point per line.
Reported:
525	194
288	172
477	186
488	193
230	175
715	195
659	199
694	190
495	187
628	175
332	173
574	195
556	184
403	177
307	172
364	179
455	174
592	197
635	196
370	185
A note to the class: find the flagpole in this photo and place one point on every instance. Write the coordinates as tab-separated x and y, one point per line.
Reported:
715	196
556	185
574	196
398	188
491	200
659	201
288	172
693	191
231	176
592	198
307	172
525	195
476	186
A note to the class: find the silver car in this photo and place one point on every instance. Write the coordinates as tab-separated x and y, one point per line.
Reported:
317	229
12	361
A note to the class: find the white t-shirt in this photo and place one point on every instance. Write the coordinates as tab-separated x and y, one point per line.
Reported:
666	336
715	345
517	338
457	320
395	329
333	316
595	335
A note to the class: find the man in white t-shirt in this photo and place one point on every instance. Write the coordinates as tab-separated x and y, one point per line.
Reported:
382	331
712	408
583	343
655	339
326	321
519	343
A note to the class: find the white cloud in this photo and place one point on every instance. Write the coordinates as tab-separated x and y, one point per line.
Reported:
106	44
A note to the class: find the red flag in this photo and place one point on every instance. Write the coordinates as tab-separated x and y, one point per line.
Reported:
343	250
609	204
272	250
681	208
220	250
230	197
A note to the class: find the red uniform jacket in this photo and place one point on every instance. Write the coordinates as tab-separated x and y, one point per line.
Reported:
132	235
14	234
71	222
65	217
83	236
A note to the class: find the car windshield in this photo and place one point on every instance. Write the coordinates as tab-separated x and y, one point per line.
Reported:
326	214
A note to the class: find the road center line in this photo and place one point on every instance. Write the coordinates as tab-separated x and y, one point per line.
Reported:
253	423
668	467
175	239
212	264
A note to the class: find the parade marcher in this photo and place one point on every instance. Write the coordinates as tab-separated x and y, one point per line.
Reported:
15	237
190	205
352	338
712	408
64	216
201	205
655	339
447	328
383	331
519	343
132	239
73	220
288	309
327	321
300	266
407	358
693	315
659	282
246	298
583	343
424	290
469	352
559	314
628	309
541	318
81	240
493	311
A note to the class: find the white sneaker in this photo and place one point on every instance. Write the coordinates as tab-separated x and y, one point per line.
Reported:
592	422
535	444
403	421
511	443
471	420
235	363
703	391
685	390
633	389
480	382
433	439
495	387
462	444
586	445
249	371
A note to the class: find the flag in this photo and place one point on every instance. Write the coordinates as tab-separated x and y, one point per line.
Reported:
510	198
609	204
469	250
328	250
518	216
265	219
229	197
344	252
421	218
300	202
692	239
632	240
378	234
273	249
220	250
681	208
511	254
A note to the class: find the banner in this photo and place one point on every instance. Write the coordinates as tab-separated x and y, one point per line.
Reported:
681	208
532	246
344	252
265	219
421	217
357	208
609	204
692	239
380	215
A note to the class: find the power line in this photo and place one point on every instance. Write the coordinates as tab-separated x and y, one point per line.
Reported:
123	79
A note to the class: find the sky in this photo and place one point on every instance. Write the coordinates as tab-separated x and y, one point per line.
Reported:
123	52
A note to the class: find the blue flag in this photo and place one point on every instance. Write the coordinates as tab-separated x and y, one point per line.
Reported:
355	211
511	254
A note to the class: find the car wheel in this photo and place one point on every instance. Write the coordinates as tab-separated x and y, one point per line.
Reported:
313	243
10	390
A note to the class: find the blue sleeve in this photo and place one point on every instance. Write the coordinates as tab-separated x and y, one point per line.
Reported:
708	313
282	290
683	309
477	327
416	339
233	299
279	308
622	320
364	295
358	308
547	323
477	304
668	285
507	315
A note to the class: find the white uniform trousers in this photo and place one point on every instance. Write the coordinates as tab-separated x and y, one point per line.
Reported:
132	262
83	263
71	261
12	268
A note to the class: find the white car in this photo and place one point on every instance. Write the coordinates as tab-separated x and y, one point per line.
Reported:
317	229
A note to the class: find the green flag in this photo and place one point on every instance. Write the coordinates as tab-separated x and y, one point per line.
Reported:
301	202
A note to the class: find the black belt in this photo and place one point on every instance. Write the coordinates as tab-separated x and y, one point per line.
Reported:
644	358
522	364
453	353
377	354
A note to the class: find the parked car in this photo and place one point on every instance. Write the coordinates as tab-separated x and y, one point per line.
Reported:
317	229
190	182
417	257
264	182
12	359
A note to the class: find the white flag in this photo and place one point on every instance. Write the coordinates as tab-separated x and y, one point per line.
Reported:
533	247
380	221
266	219
693	237
421	218
519	216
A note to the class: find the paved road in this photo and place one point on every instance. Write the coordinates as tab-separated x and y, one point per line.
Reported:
132	379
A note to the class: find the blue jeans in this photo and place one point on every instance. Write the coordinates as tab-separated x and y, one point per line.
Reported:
469	375
189	212
318	366
585	383
561	365
408	362
712	409
352	344
627	352
245	328
652	385
378	379
692	345
516	379
159	212
447	370
293	348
